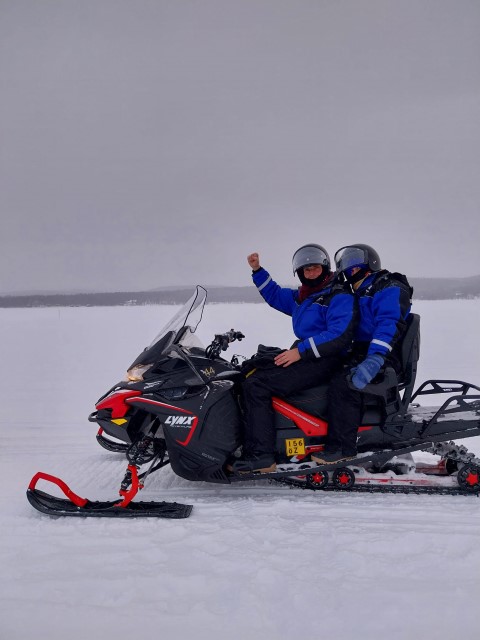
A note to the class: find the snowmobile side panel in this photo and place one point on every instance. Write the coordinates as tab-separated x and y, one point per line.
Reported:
310	425
204	454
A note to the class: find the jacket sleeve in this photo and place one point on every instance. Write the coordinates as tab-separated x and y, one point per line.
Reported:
390	307
341	317
281	299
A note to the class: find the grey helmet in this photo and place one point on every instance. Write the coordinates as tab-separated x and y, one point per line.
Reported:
310	254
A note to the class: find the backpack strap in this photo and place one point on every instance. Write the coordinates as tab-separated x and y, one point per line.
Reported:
386	279
326	297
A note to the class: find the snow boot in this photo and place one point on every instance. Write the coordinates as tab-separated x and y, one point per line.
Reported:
261	463
331	457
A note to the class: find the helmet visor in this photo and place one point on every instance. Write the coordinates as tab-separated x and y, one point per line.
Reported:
349	257
309	255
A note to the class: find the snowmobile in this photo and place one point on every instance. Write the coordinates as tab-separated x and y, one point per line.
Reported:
181	404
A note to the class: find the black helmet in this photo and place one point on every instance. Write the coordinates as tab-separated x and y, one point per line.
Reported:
357	255
310	254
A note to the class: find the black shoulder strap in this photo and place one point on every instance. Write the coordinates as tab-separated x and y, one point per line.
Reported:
386	279
402	280
325	297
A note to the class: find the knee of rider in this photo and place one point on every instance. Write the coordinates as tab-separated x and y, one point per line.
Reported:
253	386
338	387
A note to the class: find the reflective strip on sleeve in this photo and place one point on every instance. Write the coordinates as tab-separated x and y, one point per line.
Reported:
314	347
264	284
382	344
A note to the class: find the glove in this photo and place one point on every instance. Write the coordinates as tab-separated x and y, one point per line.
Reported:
366	370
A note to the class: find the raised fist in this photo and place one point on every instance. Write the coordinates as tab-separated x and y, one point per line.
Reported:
254	261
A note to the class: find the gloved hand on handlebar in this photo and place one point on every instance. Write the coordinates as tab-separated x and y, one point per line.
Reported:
366	370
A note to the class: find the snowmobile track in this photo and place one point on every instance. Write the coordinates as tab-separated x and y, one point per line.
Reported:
413	489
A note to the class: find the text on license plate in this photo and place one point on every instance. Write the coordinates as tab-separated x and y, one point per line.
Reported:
295	446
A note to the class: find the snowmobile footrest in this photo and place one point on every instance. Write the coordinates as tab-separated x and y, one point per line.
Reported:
54	506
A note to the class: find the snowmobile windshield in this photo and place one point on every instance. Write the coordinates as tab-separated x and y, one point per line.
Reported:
178	331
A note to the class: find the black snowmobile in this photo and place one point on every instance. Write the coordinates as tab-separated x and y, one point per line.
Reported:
181	404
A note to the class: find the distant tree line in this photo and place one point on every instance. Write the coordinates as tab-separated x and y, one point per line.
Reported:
424	289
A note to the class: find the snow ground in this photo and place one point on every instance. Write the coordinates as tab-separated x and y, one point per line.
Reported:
254	560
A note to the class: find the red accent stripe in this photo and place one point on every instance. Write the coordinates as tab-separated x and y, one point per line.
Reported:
310	425
189	437
160	404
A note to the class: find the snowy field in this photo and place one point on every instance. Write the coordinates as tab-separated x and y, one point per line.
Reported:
254	561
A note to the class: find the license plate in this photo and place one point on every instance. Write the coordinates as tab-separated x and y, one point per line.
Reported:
295	446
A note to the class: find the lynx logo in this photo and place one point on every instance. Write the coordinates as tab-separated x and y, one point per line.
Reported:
180	421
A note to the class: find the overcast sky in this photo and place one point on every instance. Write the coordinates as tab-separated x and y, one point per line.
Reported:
149	143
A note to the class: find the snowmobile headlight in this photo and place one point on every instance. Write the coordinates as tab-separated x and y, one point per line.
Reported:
175	393
135	374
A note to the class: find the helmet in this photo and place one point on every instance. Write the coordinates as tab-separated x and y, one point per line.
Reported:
310	254
357	255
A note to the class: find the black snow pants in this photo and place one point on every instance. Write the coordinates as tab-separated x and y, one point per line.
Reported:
345	408
259	388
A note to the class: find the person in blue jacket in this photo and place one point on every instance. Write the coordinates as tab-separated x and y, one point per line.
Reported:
323	316
384	301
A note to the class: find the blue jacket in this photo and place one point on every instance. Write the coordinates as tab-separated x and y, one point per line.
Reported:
384	304
323	323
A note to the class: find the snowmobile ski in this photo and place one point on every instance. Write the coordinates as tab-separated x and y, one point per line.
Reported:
53	506
74	505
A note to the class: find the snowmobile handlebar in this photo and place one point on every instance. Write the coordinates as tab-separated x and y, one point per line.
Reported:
221	341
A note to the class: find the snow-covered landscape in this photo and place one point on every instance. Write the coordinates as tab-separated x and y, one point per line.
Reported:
254	560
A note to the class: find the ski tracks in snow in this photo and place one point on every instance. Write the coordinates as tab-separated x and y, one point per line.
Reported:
255	560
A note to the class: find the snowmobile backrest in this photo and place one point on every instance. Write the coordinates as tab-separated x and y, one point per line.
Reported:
409	355
410	351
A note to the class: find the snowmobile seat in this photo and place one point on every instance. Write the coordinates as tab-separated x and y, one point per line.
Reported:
313	401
